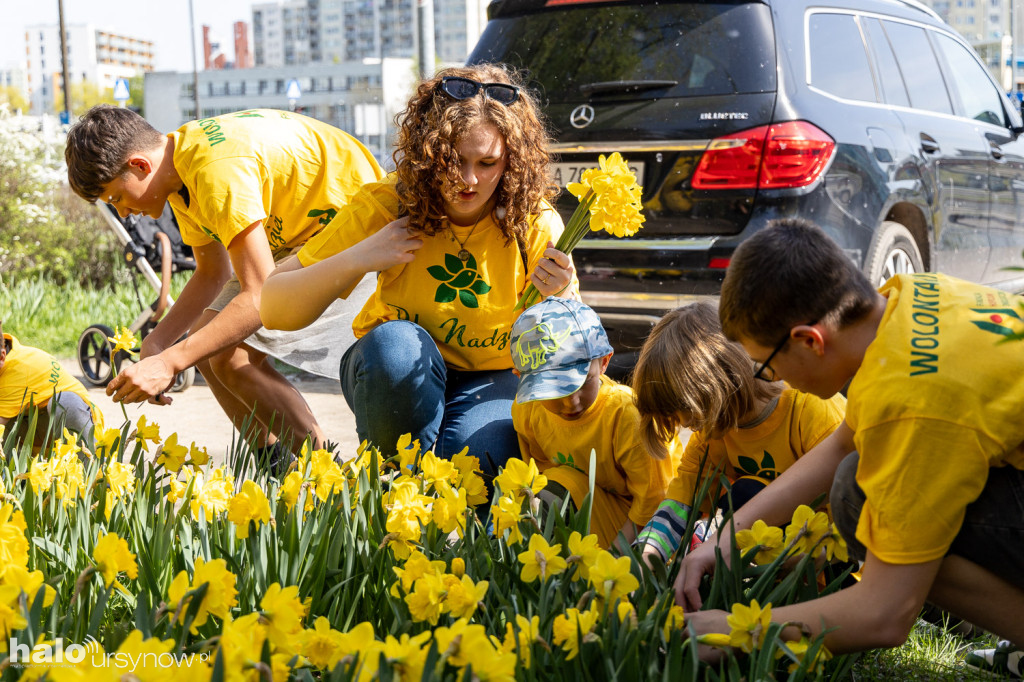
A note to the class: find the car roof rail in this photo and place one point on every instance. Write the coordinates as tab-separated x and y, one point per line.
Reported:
918	5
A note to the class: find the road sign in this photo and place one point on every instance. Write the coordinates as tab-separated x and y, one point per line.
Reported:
121	93
293	91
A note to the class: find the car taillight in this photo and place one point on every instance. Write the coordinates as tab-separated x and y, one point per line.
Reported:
776	156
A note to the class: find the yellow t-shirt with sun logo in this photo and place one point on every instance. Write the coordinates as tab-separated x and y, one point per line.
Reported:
466	307
798	423
936	408
287	170
31	376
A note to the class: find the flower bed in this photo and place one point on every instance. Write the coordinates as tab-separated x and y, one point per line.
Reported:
140	557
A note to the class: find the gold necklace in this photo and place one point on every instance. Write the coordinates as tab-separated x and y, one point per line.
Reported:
463	253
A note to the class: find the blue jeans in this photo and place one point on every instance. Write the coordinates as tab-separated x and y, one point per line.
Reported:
396	382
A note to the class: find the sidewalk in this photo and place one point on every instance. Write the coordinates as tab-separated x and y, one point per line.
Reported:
196	416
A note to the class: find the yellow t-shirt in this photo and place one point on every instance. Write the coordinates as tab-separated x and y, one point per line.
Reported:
287	170
798	423
936	404
610	427
31	377
465	307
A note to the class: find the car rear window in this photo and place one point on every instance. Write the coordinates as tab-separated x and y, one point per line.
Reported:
579	50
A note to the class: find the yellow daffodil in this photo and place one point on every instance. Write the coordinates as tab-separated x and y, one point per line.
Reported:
568	628
11	616
583	552
68	476
250	504
464	596
176	489
321	644
220	597
458	567
674	619
519	639
835	546
172	455
799	650
283	612
461	641
290	489
768	538
211	495
13	543
415	567
241	646
147	652
408	454
541	560
66	446
450	508
29	582
626	613
749	624
436	469
124	340
197	456
426	601
506	515
469	477
807	529
40	475
106	439
609	200
517	478
405	654
611	577
145	432
325	474
120	483
112	556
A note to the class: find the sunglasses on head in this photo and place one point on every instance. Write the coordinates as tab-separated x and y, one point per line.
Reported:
465	88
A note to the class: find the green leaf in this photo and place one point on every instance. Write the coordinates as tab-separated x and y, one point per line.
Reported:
463	279
480	287
452	263
767	462
748	465
439	273
444	294
468	299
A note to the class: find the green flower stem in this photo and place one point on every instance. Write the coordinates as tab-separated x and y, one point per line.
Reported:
571	236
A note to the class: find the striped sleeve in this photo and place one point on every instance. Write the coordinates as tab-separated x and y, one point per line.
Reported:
664	531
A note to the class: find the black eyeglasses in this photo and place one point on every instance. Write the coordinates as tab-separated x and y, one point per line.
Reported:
763	370
465	88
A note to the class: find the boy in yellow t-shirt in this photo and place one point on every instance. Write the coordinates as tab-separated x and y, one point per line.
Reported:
246	188
30	377
566	407
926	473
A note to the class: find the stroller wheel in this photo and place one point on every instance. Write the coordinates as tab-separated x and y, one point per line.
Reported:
94	354
183	379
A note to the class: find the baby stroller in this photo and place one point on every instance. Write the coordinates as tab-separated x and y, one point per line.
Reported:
149	245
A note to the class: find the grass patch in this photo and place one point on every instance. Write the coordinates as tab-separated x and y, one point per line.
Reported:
931	654
52	316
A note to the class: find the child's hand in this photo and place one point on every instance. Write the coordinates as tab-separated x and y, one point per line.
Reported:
553	273
143	381
695	565
393	244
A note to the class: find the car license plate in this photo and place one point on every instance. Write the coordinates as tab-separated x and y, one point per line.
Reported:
565	172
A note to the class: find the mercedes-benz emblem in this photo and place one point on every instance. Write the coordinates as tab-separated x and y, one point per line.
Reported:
582	116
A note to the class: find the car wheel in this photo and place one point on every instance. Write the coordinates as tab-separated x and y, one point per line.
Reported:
893	252
184	379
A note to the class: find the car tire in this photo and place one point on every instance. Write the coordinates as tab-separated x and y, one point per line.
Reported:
893	252
184	379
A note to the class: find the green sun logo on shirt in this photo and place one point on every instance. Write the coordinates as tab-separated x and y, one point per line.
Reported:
209	233
460	280
1002	321
749	467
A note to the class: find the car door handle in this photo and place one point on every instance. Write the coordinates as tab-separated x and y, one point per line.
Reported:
995	150
929	144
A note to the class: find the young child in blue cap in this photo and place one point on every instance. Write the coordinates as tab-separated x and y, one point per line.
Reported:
566	407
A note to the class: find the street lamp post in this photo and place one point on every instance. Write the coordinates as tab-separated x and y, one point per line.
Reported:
64	62
195	70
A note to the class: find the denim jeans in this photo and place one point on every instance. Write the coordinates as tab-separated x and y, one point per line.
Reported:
396	382
992	534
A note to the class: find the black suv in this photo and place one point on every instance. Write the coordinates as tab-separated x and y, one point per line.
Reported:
871	117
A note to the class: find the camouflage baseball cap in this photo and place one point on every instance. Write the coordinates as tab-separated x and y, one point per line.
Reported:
553	343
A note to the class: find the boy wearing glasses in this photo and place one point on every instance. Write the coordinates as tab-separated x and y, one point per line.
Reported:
926	473
247	188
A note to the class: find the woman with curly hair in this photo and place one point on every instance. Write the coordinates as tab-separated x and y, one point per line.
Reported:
456	234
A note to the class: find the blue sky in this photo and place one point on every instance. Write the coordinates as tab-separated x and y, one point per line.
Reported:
163	21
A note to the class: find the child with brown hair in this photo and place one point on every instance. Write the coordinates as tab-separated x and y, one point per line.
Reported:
745	423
